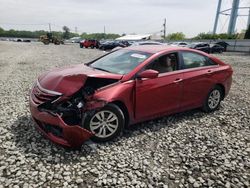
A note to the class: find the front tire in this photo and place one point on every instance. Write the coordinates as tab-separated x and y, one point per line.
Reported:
106	124
213	99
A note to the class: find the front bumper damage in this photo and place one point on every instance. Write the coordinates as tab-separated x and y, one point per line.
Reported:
59	110
55	129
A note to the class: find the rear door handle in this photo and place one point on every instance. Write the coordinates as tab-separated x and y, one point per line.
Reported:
178	80
209	71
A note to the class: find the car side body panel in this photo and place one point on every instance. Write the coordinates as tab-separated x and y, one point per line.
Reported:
196	85
158	95
122	92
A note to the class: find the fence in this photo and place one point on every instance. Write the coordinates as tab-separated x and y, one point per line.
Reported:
238	45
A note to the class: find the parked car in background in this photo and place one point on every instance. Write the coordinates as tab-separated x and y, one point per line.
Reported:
124	42
182	44
200	46
146	43
75	39
109	45
98	99
81	43
89	43
223	44
26	40
216	48
18	40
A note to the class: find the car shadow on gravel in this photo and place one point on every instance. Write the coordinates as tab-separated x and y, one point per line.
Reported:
163	122
30	142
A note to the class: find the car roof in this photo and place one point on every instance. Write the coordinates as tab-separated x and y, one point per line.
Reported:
155	48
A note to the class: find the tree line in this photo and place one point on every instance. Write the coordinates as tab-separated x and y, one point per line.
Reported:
66	34
200	36
31	34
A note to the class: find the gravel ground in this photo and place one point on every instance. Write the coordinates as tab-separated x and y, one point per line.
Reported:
190	149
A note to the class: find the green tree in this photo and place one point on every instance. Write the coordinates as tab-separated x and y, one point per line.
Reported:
247	34
99	36
176	36
66	32
215	36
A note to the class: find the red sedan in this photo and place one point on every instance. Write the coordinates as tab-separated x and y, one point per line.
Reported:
98	99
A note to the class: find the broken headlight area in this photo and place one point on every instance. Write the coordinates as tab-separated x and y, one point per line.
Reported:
69	110
74	109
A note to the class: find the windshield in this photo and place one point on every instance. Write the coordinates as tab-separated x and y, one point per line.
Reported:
121	61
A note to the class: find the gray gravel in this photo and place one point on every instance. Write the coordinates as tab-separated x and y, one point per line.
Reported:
190	149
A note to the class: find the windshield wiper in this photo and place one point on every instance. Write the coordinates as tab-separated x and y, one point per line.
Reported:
100	69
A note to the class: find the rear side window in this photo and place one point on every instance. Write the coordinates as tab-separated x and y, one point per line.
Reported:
193	60
210	62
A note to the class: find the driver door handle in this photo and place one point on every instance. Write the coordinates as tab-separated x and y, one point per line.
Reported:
178	80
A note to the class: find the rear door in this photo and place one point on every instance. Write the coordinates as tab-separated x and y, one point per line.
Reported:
198	78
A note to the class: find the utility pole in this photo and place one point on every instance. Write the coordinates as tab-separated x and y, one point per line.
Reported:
104	32
248	22
233	17
217	16
164	28
75	29
49	28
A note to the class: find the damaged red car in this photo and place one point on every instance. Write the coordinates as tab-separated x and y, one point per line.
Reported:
98	99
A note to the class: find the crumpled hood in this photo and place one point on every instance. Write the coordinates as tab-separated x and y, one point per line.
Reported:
68	80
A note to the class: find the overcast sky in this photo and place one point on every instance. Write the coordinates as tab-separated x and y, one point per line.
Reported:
128	16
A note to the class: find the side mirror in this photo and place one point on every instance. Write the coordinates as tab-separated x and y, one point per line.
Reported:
148	74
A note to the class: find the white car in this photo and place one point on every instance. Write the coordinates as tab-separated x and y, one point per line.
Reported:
182	44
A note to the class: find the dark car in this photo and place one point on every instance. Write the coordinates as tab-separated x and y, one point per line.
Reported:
99	99
200	46
92	43
216	48
223	44
109	45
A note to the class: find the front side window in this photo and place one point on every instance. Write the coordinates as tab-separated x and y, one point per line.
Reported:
164	64
193	60
121	61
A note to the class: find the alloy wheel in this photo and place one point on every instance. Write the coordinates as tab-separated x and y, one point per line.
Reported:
214	99
104	124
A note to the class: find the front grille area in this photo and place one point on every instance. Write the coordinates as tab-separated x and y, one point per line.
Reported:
40	95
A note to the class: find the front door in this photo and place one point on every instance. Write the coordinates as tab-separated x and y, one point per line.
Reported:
161	95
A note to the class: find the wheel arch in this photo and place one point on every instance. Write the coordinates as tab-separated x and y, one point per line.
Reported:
222	89
124	109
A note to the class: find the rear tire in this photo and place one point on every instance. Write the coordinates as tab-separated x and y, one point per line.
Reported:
106	124
213	99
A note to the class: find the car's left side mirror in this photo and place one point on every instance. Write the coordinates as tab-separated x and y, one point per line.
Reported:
148	74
